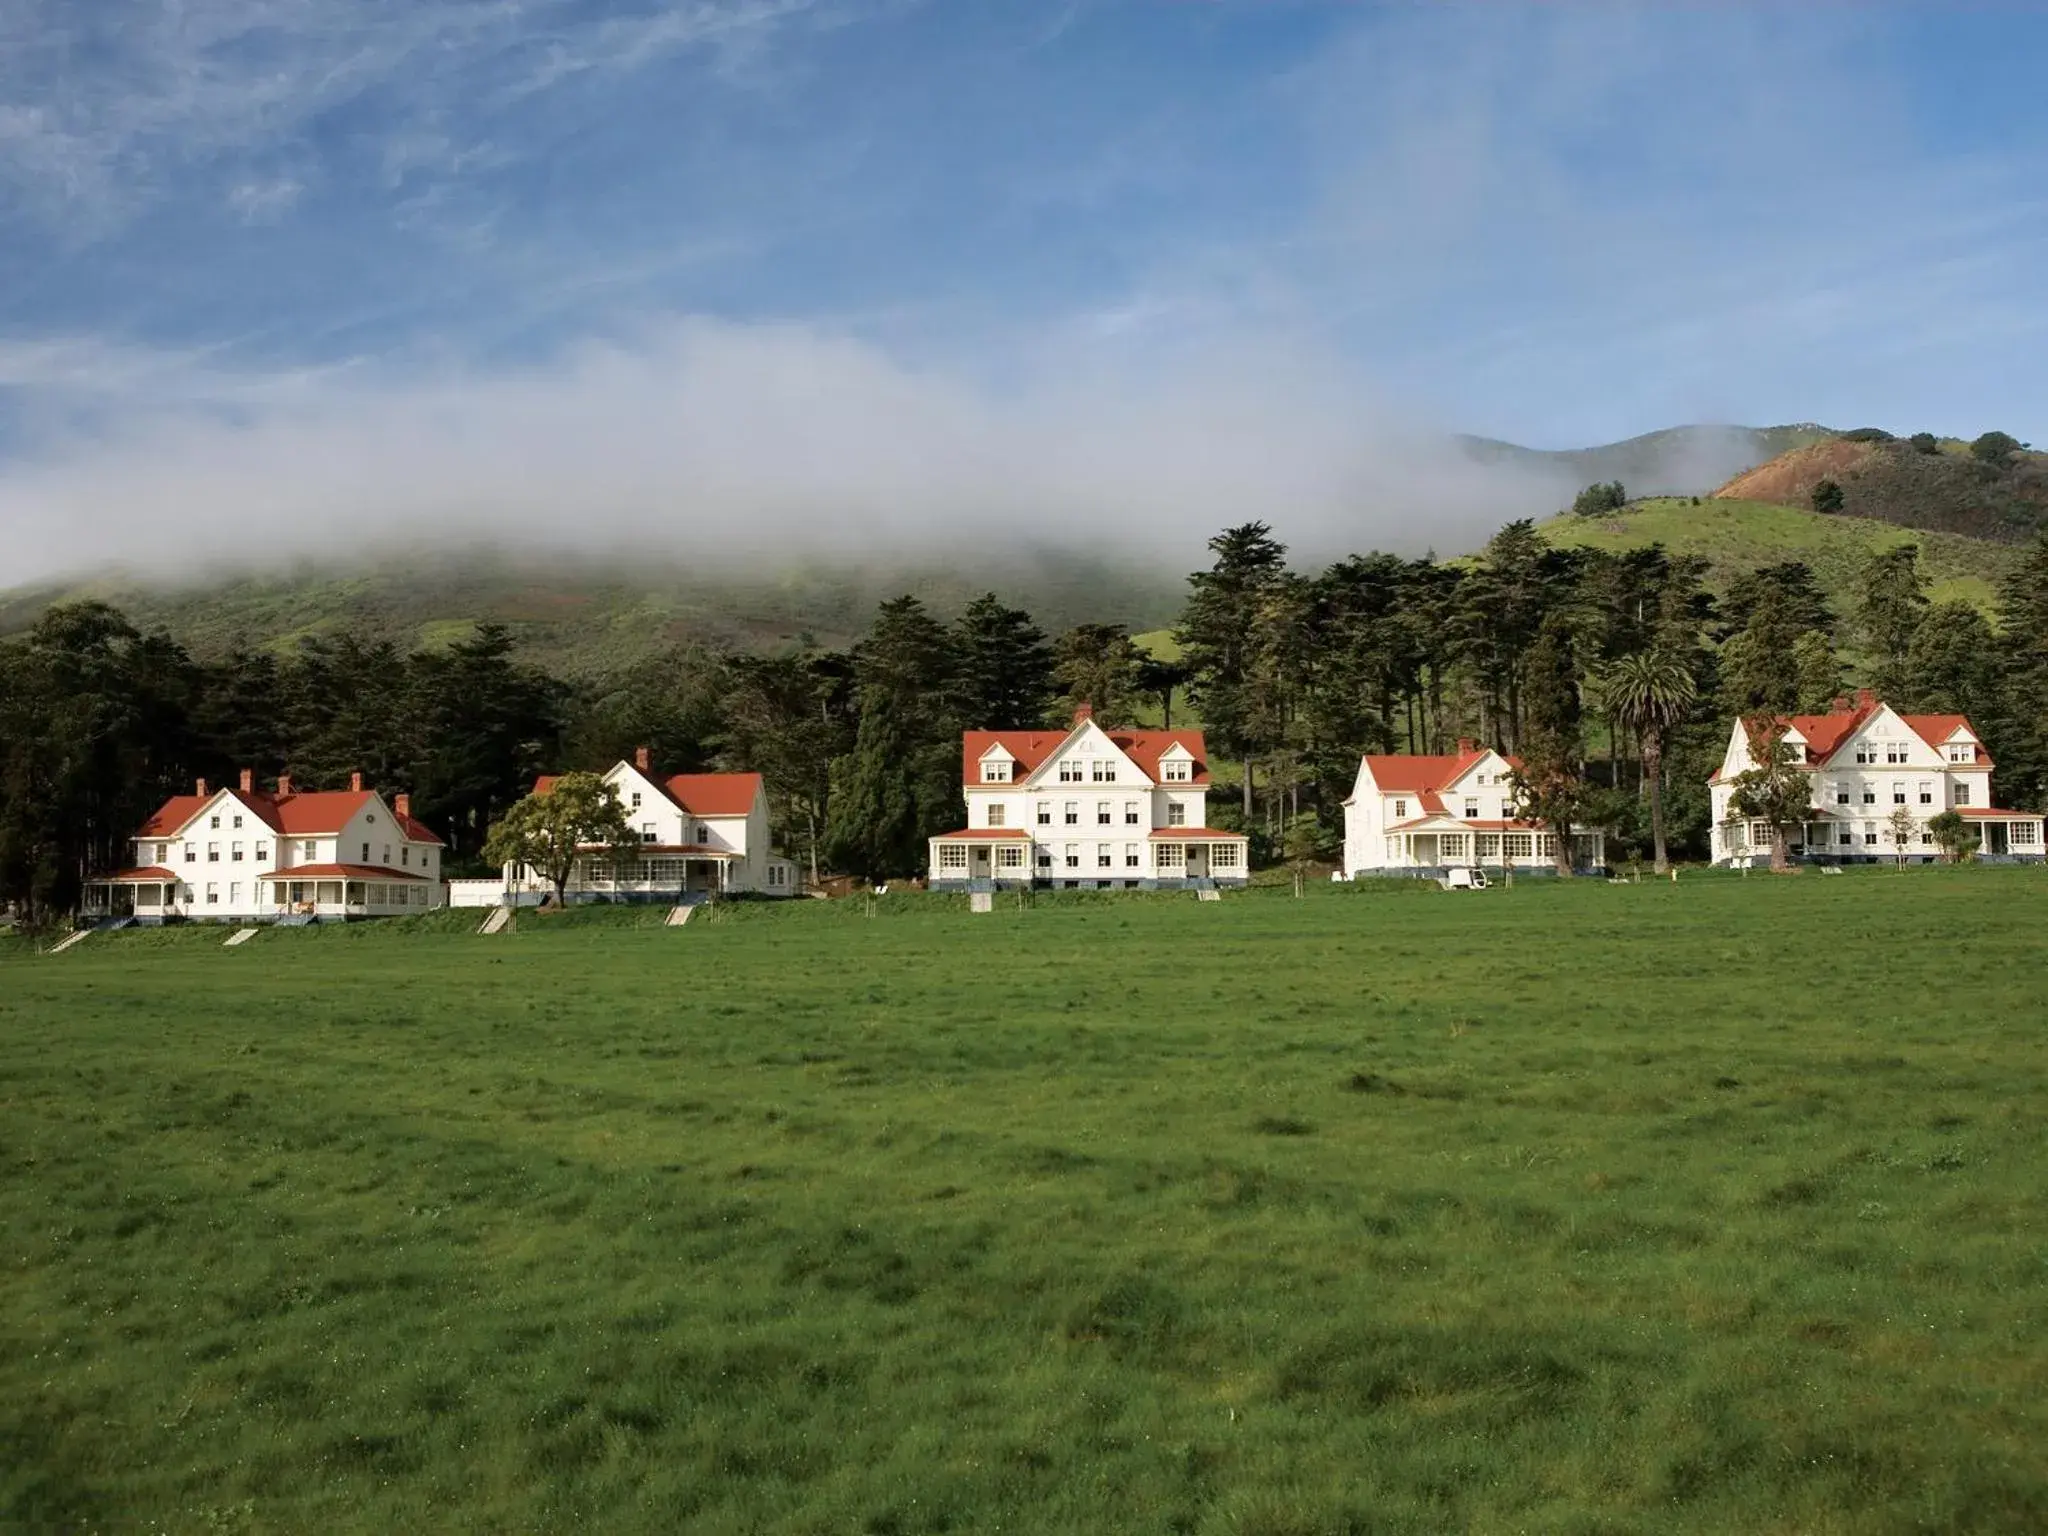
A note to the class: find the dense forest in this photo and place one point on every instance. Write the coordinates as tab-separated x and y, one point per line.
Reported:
1602	672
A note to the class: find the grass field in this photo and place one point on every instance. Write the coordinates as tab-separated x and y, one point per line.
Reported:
1715	1206
1739	536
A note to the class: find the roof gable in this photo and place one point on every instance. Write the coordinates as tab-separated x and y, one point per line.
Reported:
714	794
1032	750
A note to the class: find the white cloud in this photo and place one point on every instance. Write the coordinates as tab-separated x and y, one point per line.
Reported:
260	202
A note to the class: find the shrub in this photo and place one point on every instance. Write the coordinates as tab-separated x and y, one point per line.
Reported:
1827	497
1868	435
1599	499
1925	442
1995	447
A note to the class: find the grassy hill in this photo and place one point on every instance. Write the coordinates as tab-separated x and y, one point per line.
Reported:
1948	490
1739	536
1678	461
581	619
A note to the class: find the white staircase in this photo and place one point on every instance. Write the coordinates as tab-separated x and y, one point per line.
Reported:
239	936
677	916
1208	895
496	922
65	943
981	901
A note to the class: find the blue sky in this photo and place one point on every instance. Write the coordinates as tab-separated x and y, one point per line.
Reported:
785	263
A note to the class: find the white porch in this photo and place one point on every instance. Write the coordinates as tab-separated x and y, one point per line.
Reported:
1443	843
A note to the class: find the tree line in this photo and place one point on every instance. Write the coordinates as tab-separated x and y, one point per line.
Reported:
1612	676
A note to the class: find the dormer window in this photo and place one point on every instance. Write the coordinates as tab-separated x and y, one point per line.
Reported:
995	773
1400	807
1176	772
1961	752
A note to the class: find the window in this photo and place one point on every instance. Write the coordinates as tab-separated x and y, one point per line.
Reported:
366	853
213	852
2022	832
1176	772
1176	815
1517	845
703	833
1130	855
1489	845
1962	793
1170	856
1400	808
1103	857
306	849
1044	860
214	824
1895	751
646	831
262	852
1130	813
1841	797
234	853
1866	752
1959	752
1010	857
191	853
1471	809
1927	794
405	858
212	894
1073	855
1451	847
163	852
1546	845
1926	839
1070	772
1898	794
634	802
1225	855
1845	839
1102	813
234	892
1102	772
997	815
237	823
1869	796
1870	839
387	856
995	773
952	856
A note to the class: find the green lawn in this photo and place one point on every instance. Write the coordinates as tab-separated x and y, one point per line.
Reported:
1716	1206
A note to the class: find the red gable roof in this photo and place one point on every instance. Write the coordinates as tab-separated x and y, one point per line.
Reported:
700	794
1032	748
1425	776
316	814
714	794
341	872
1825	733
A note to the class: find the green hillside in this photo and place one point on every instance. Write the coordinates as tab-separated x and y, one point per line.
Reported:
1739	536
578	619
1934	485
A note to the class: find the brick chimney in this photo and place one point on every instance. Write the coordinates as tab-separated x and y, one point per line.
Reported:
1084	712
1865	699
202	789
402	804
355	783
1841	704
284	785
1467	746
248	780
642	759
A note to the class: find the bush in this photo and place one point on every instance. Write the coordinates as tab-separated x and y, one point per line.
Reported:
1868	435
1925	442
1995	447
1598	500
1828	497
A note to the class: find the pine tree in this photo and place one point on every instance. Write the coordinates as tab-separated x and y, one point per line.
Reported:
1892	599
1004	677
1550	784
1218	635
1099	667
873	829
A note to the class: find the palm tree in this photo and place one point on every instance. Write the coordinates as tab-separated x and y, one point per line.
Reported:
1649	693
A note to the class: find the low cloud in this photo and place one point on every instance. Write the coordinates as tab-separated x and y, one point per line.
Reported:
722	443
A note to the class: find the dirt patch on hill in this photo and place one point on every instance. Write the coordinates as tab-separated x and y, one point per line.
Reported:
1789	479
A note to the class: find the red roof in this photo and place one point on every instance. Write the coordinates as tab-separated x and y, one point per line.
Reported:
1825	734
1424	776
320	813
700	794
1032	748
693	850
341	872
1195	834
1474	823
985	835
143	876
1986	813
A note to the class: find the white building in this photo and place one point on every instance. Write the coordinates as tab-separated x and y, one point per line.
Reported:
701	835
247	854
1866	761
1086	807
1418	815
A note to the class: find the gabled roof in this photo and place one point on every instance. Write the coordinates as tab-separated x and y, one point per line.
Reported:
1826	734
698	794
1426	776
1032	749
317	813
140	876
341	872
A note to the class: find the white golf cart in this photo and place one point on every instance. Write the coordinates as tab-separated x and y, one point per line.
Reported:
1463	879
